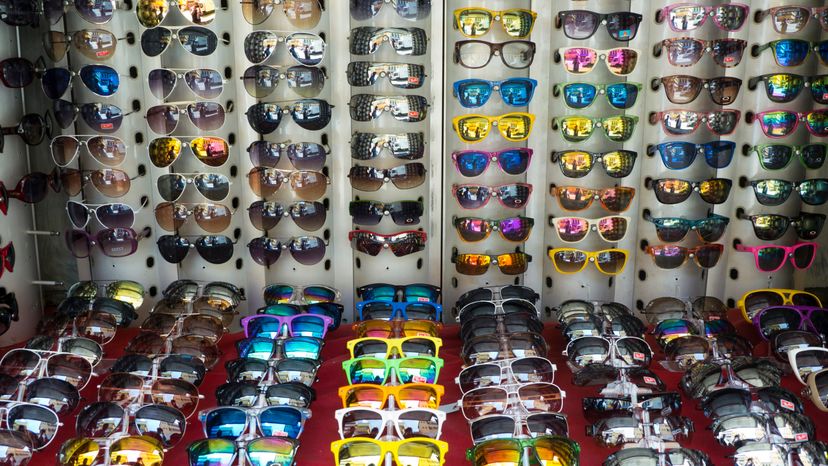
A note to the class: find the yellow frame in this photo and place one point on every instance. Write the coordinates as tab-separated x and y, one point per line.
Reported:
394	345
591	257
391	390
491	119
785	293
494	14
391	447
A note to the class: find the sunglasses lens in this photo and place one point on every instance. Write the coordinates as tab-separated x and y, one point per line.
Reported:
686	17
213	452
684	52
672	191
611	262
100	79
708	256
473	229
681	89
212	218
270	450
612	229
572	230
783	87
307	250
622	61
778	124
471	163
723	91
73	451
579	95
473	129
769	227
817	122
577	129
516	228
111	182
715	191
102	118
579	60
790	52
669	257
55	82
117	242
162	423
64	112
770	258
307	156
472	264
622	95
772	192
677	155
514	162
569	261
17	72
95	44
619	128
514	196
804	255
808	226
711	229
472	197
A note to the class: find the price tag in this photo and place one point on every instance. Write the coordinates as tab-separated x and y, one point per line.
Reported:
418	379
787	405
650	380
638	356
421	299
801	437
413	80
413	114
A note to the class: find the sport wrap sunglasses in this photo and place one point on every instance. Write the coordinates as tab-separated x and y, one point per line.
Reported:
473	93
583	24
113	242
211	151
781	123
396	328
674	229
578	128
411	395
476	22
411	293
417	369
473	229
754	301
302	155
544	449
213	186
786	87
678	155
406	423
774	192
212	218
302	14
261	81
790	19
514	263
620	61
513	161
793	52
205	83
368	146
400	75
771	258
570	261
308	185
578	95
476	54
675	190
408	109
383	348
683	17
391	310
611	229
771	227
683	89
407	451
684	122
401	244
309	114
409	10
365	212
778	156
687	51
472	196
579	163
304	48
307	215
407	176
205	116
306	250
366	40
474	128
668	256
576	198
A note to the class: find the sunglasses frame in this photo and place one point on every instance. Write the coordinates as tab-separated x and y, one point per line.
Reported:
789	251
493	190
597	193
598	20
493	225
392	447
701	118
598	90
596	122
455	259
391	417
707	46
799	117
789	221
700	83
708	12
796	152
658	222
398	309
495	16
494	49
493	121
812	13
391	392
496	86
393	345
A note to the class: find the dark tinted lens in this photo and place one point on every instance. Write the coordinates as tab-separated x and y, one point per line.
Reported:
708	256
718	154
102	118
307	250
814	192
770	258
723	91
728	52
769	227
264	118
808	226
804	255
118	242
173	248
772	192
623	25
265	251
775	156
197	40
677	155
55	82
711	229
671	230
215	249
17	72
213	186
307	155
813	155
154	41
672	191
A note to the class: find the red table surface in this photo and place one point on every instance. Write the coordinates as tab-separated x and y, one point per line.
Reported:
321	429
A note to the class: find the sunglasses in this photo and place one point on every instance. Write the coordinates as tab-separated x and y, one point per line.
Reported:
307	215
9	309
215	249
213	218
738	401
95	12
783	343
72	369
367	146
497	293
583	24
517	321
476	22
405	396
387	348
686	51
513	127
506	372
401	244
644	379
396	328
213	186
472	163
113	242
685	122
100	117
302	155
31	189
407	423
775	319
791	52
544	449
791	19
125	389
675	191
379	309
205	116
205	83
368	107
514	263
101	80
309	114
474	229
152	13
619	352
687	17
315	303
302	14
472	196
781	123
306	250
304	48
754	301
196	40
773	192
576	198
771	227
497	311
476	54
103	419
618	128
232	423
94	44
366	40
607	261
579	95
258	452
371	212
273	326
145	449
182	366
266	349
674	229
620	61
677	155
416	292
32	129
496	426
247	370
683	89
617	430
417	369
262	80
308	185
111	182
210	151
516	92
786	87
596	408
399	75
668	256
611	229
771	258
247	395
517	345
778	156
407	451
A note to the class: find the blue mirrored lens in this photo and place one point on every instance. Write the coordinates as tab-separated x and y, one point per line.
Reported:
415	293
579	95
264	328
55	82
326	309
677	155
302	347
256	348
719	153
513	162
791	52
472	163
822	50
308	326
517	91
472	92
622	95
226	423
281	421
100	79
380	293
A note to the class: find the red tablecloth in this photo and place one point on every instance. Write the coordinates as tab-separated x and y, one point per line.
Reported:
321	429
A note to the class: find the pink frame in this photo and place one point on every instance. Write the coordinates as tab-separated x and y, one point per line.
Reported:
660	116
813	11
789	250
492	188
491	156
665	15
799	117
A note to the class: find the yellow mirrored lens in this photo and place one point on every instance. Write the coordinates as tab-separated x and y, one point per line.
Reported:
576	129
164	151
474	22
359	453
577	162
514	126
617	162
472	128
517	23
420	453
619	128
78	452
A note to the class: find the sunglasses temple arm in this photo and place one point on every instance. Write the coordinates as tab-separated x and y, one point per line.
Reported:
657	48
145	233
752	82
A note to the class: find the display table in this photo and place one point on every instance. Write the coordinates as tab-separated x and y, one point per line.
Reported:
321	429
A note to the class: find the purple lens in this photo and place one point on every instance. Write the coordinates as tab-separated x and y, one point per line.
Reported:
307	250
472	197
516	228
265	251
264	154
204	82
78	243
119	216
578	60
161	82
307	155
117	242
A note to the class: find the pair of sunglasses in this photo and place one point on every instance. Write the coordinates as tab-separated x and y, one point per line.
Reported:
474	128
367	40
669	256
409	10
31	189
676	190
368	146
415	292
301	14
471	163
674	229
583	24
685	122
611	229
365	212
476	54
781	123
793	52
476	22
408	176
578	128
308	185
32	129
205	116
302	155
307	215
786	87
771	258
304	48
112	242
514	263
683	17
579	163
262	80
211	151
686	51
678	155
473	93
771	227
778	156
212	218
570	261
306	250
471	196
473	229
404	108
774	192
683	89
790	19
401	244
309	114
577	198
580	95
213	186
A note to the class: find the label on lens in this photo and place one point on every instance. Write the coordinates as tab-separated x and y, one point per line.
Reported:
280	434
413	114
624	33
729	59
786	404
101	53
423	334
801	437
650	380
422	299
638	357
107	126
418	379
413	80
